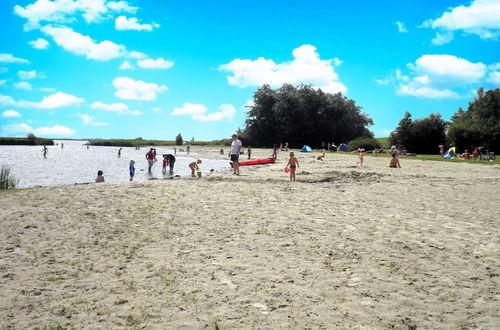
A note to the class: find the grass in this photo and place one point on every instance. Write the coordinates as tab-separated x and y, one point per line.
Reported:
7	181
438	158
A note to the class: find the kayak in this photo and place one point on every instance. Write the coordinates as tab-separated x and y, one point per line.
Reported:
257	162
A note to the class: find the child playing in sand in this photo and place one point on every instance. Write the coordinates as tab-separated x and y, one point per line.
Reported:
100	176
131	169
361	156
394	162
194	167
293	164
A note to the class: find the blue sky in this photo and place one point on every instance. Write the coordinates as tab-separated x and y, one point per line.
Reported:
153	69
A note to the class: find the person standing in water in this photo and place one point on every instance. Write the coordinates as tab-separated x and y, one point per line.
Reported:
44	151
131	169
150	156
119	152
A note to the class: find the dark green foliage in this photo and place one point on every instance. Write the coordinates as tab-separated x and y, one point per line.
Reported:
31	140
363	142
421	136
480	124
179	140
302	115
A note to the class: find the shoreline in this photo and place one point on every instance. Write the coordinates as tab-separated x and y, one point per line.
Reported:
343	247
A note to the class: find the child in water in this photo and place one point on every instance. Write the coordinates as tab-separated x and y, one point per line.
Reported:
194	167
164	165
100	176
131	168
293	164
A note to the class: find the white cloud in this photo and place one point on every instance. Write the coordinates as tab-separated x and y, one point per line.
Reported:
84	45
226	111
481	17
56	100
120	108
435	76
159	63
11	114
189	109
494	77
9	58
126	66
39	43
198	112
23	128
442	38
23	85
65	11
123	23
25	75
136	55
89	120
306	67
401	27
130	89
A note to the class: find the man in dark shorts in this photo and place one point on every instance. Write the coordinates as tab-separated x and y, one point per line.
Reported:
235	153
171	162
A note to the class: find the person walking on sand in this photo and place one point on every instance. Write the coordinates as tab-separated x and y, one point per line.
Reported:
275	152
131	169
249	151
292	164
150	156
100	176
45	150
234	153
361	156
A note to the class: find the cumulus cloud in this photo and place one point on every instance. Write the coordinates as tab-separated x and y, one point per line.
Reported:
120	108
23	128
494	77
56	100
442	38
23	85
198	112
435	76
481	18
123	23
84	45
89	120
306	67
66	11
126	65
130	89
11	114
159	63
25	75
401	27
39	43
9	58
136	55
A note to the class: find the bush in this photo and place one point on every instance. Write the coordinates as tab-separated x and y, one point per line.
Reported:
179	140
363	142
7	181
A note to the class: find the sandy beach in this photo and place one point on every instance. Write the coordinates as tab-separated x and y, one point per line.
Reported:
342	248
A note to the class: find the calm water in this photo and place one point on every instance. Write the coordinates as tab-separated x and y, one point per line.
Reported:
77	164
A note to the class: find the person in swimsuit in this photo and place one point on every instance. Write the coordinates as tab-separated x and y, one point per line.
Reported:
293	164
100	176
361	156
150	156
394	162
194	167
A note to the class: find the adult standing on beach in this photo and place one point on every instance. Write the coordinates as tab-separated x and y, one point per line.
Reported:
150	156
235	153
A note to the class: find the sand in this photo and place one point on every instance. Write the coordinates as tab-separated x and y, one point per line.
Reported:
342	248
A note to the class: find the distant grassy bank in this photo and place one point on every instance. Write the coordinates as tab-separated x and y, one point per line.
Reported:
146	143
25	141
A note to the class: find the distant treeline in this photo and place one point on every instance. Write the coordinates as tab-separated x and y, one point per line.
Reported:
25	141
145	143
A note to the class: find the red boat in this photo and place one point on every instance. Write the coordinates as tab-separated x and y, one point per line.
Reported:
256	162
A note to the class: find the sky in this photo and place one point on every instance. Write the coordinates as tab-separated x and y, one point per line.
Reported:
154	69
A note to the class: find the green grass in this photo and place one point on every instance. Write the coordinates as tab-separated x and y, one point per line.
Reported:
7	180
384	142
437	158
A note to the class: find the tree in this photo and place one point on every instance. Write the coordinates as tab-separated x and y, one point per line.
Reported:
480	124
179	140
302	115
31	138
420	136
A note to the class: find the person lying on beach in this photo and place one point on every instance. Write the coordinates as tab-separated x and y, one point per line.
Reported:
293	164
100	176
194	167
394	162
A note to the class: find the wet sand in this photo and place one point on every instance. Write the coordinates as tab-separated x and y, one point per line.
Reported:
343	247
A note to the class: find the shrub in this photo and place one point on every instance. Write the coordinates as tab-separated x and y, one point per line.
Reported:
363	142
7	181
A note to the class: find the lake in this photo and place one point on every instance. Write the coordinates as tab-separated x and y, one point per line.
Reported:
76	164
